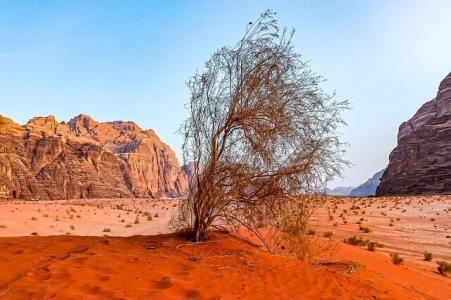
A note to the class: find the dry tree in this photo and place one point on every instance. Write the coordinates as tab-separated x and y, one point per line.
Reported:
262	137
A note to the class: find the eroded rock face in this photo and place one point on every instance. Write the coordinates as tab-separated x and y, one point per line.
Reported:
421	162
83	158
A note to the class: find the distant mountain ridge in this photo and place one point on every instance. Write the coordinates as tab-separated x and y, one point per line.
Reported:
368	188
339	191
83	158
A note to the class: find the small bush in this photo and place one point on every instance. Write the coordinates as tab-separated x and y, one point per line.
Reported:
396	259
364	229
34	233
443	267
311	232
107	230
355	241
328	234
427	256
371	246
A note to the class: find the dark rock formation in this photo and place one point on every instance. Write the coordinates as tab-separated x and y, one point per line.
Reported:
421	162
368	188
45	159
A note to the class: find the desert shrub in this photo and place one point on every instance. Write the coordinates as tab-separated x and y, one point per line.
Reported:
371	246
443	267
311	232
263	138
396	259
107	230
365	229
34	233
427	256
327	234
355	241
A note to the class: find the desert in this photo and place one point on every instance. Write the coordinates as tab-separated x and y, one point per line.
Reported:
225	150
124	248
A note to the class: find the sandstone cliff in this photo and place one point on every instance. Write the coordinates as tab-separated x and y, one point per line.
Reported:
421	162
82	158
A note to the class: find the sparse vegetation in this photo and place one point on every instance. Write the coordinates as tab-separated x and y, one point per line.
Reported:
328	234
427	256
371	246
355	241
443	267
364	229
396	259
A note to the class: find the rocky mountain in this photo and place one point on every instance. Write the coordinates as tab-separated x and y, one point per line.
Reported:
368	188
421	162
83	158
339	191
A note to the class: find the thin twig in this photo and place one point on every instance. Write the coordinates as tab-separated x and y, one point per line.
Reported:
4	292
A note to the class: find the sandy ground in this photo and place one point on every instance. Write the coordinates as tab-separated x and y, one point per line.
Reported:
96	217
406	225
167	267
96	249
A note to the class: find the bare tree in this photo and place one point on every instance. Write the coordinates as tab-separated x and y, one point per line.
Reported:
262	135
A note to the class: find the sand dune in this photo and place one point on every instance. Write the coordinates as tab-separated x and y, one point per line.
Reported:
71	258
166	267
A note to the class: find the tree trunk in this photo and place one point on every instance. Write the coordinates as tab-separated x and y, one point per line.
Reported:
198	230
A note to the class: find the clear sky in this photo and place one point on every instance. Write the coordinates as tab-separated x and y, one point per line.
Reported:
129	60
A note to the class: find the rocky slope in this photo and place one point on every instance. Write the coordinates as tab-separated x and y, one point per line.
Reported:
368	188
339	191
421	162
82	158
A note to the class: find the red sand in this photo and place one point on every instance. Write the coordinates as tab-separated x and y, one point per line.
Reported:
85	265
167	267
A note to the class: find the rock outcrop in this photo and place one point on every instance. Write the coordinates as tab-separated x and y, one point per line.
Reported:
421	162
83	158
368	188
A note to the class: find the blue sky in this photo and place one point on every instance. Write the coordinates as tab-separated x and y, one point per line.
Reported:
129	60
